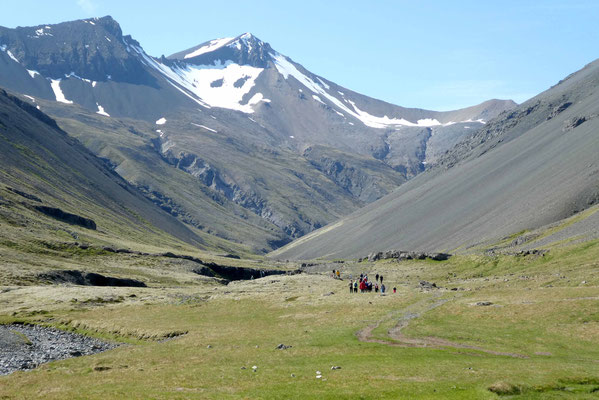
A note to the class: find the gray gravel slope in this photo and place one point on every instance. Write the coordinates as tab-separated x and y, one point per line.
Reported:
24	347
513	180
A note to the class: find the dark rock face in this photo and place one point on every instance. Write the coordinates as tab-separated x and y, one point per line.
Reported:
239	273
24	347
69	218
365	179
508	121
427	285
532	252
574	122
227	273
25	195
95	48
88	279
31	110
407	255
223	185
559	109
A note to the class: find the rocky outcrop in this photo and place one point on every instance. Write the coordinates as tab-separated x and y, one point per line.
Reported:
25	195
69	218
223	185
365	179
507	121
400	255
574	122
228	273
88	279
559	109
96	50
425	285
239	273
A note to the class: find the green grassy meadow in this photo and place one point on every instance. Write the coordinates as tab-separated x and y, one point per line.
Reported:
187	337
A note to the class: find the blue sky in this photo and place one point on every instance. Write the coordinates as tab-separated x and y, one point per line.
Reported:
437	55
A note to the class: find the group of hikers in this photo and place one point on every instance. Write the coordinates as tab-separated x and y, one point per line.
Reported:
364	284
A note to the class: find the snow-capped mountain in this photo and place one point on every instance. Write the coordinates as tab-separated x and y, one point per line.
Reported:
252	126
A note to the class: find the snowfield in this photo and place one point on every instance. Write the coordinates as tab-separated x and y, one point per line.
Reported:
55	84
213	45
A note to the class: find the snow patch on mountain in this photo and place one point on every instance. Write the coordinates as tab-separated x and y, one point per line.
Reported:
32	73
385	122
286	68
204	127
482	121
161	121
173	78
4	48
101	111
12	56
235	82
41	32
323	83
198	81
218	85
257	98
213	45
74	75
55	84
315	97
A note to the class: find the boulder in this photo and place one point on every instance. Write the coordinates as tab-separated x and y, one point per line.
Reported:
428	285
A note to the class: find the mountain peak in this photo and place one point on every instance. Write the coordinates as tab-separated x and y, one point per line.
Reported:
245	49
247	37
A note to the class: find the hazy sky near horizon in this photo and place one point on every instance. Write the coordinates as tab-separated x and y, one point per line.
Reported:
438	55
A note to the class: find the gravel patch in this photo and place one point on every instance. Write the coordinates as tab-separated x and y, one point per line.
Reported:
24	347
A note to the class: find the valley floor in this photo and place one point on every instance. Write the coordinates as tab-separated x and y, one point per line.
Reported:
521	326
